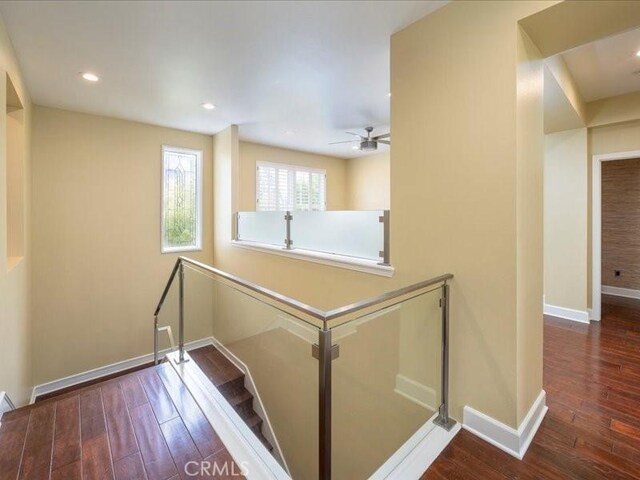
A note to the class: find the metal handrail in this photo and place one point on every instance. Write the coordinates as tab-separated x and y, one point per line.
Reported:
325	347
322	315
166	288
385	297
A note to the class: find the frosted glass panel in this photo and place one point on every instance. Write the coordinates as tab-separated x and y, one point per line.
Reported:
352	233
263	227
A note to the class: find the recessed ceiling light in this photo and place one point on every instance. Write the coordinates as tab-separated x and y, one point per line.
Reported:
208	106
90	77
356	147
638	53
389	94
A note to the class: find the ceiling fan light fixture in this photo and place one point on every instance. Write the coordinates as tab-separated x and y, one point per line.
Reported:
368	145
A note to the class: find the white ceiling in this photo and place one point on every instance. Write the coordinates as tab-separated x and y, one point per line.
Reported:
607	67
292	74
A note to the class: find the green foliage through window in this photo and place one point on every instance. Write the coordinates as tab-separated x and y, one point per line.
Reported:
181	199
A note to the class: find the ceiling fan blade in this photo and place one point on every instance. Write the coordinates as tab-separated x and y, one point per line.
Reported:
386	142
356	134
385	135
345	141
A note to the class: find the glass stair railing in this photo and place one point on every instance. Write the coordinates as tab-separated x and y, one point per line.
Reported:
331	394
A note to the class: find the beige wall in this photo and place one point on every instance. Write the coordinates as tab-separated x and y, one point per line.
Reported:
457	191
369	182
16	180
565	219
98	270
15	317
621	137
612	110
250	153
529	222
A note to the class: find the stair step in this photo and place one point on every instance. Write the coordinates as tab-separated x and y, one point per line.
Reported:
229	381
240	398
216	366
254	422
232	388
242	403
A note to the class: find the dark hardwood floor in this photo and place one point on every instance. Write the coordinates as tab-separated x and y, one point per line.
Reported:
47	396
144	425
592	428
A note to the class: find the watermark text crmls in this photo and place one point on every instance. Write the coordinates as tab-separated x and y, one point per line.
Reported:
207	468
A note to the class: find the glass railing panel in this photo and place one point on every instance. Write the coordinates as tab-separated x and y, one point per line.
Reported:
262	227
352	233
386	382
198	306
271	350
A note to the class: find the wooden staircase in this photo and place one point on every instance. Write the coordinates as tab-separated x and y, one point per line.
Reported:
229	380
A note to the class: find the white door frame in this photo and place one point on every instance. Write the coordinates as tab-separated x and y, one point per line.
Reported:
596	225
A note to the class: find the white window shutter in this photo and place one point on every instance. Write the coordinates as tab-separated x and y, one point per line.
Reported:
287	187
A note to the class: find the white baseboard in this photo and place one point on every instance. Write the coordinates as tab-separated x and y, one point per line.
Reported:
621	292
99	372
581	316
415	456
512	441
6	405
416	392
254	460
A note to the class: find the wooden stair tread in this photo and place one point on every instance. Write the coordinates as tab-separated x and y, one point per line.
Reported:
216	366
243	396
253	420
229	380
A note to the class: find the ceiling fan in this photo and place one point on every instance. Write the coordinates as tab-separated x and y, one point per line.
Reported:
368	143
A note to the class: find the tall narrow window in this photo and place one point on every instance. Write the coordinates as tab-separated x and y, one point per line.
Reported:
290	187
181	199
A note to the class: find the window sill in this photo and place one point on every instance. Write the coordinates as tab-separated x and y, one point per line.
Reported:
333	260
181	250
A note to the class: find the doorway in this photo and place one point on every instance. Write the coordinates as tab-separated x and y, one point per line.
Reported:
596	223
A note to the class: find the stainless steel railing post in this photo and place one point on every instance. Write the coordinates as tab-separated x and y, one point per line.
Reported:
385	253
324	376
443	419
155	340
181	313
287	241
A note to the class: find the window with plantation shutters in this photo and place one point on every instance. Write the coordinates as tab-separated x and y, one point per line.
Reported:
282	187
